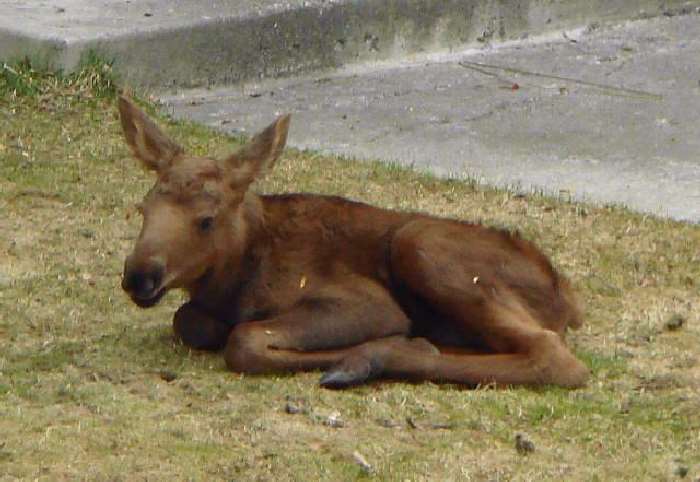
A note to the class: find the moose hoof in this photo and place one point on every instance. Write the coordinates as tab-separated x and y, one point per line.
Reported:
351	371
336	379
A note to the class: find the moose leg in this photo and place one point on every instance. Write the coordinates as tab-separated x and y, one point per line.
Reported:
198	330
539	357
430	260
318	332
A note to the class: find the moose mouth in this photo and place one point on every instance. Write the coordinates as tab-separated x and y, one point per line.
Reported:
149	301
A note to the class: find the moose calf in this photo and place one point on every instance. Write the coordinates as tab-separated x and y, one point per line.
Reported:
302	281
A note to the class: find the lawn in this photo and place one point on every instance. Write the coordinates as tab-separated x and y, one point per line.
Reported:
92	387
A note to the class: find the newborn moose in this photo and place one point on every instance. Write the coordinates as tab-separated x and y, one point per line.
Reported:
302	281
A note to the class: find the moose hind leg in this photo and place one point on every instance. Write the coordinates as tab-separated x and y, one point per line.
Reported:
430	260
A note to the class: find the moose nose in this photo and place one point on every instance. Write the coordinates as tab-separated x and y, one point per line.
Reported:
142	283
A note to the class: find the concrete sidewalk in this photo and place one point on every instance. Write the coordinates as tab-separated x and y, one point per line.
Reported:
202	42
606	114
609	114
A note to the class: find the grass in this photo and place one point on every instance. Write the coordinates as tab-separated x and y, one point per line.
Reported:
83	390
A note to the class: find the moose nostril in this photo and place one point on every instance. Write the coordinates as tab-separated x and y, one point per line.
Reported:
155	278
133	281
145	284
142	283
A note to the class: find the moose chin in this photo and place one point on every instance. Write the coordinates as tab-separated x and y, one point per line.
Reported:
293	282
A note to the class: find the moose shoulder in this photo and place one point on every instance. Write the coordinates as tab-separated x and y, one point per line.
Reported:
301	281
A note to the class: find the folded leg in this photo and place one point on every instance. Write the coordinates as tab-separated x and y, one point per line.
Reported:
317	332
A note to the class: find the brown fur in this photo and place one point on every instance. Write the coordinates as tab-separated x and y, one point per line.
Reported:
301	281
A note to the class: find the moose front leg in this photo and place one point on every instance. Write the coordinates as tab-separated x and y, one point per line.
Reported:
198	330
318	332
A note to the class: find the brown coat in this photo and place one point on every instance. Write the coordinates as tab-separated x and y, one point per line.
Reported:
301	281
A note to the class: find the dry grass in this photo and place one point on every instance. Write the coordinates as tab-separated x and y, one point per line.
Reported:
83	392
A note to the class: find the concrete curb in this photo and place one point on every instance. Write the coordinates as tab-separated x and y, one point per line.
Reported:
161	43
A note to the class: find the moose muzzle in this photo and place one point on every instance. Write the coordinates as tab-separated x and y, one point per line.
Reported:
143	281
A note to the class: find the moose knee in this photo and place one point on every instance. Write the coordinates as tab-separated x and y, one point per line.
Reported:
197	330
411	258
245	349
183	321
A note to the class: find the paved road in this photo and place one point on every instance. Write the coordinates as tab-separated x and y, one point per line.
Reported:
606	114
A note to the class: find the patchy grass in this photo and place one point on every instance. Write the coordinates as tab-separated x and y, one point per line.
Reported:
83	390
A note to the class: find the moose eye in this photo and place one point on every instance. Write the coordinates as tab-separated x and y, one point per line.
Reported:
206	223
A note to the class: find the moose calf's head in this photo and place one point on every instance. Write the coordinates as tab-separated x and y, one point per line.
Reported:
194	216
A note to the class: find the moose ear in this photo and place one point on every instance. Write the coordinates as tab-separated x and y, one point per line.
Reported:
147	142
260	153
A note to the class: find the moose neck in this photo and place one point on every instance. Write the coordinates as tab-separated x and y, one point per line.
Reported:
238	261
